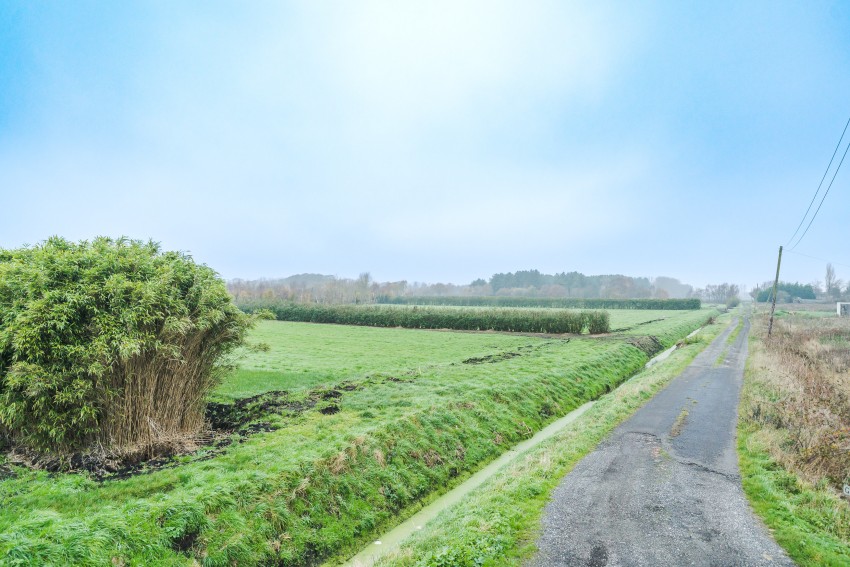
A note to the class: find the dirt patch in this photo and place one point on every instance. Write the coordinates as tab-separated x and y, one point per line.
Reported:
491	358
6	472
329	409
501	356
624	329
648	344
185	542
229	423
229	417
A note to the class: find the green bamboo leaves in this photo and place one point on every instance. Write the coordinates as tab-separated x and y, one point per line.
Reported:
109	342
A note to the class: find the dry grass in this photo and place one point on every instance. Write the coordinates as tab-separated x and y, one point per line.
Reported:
803	399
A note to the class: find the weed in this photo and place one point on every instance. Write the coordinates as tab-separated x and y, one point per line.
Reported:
794	436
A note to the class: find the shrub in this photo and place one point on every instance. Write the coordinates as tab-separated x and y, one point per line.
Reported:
110	343
462	319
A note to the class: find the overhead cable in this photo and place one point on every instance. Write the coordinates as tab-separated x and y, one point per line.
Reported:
824	197
815	196
821	259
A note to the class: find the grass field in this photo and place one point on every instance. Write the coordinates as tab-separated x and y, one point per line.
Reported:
375	421
307	355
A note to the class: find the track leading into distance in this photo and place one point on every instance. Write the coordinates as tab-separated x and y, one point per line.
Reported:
664	489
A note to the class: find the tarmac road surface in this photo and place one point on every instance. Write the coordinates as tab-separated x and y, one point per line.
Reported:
664	489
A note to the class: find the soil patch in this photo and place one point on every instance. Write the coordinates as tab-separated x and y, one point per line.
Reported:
229	423
491	358
648	344
6	472
624	329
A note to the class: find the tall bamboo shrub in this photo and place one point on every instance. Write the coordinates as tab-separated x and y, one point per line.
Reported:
109	343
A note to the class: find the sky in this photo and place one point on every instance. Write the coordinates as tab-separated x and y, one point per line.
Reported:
437	141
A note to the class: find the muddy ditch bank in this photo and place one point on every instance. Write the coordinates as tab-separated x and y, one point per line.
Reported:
227	424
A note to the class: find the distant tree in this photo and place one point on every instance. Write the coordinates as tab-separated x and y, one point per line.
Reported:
786	290
721	293
363	286
671	288
829	279
832	285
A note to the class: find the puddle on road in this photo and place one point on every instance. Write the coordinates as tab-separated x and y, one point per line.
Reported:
389	541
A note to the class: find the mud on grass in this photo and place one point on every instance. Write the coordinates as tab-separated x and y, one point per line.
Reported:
228	424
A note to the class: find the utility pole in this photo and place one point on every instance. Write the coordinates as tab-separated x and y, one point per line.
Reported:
775	283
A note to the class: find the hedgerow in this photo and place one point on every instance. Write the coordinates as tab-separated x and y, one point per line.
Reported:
556	302
109	343
415	317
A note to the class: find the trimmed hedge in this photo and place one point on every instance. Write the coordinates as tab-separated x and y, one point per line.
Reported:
462	319
548	302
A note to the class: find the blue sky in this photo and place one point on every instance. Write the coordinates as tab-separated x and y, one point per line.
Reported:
431	141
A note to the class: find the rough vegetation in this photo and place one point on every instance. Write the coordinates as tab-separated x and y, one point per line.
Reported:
794	434
806	396
109	344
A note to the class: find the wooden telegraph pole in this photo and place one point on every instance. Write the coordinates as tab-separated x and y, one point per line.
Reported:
775	283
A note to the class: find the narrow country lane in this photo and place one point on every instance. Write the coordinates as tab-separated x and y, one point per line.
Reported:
664	489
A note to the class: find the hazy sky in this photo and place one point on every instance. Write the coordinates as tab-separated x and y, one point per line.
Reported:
431	141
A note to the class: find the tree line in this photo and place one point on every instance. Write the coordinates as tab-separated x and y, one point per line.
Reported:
316	288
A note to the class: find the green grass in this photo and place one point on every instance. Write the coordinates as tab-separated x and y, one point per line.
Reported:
734	334
496	525
623	320
810	522
307	355
418	421
671	328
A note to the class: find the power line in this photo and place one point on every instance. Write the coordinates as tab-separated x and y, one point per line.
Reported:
821	259
820	184
824	197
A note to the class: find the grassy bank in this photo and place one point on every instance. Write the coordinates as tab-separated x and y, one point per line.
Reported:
794	435
371	426
497	523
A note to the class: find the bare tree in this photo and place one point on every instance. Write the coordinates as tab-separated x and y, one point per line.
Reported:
829	280
831	284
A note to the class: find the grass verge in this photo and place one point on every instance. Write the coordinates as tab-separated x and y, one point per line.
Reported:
497	524
793	436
